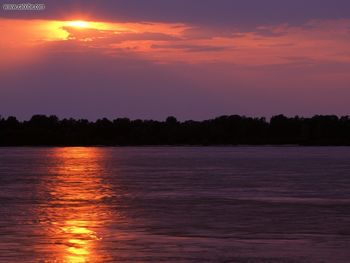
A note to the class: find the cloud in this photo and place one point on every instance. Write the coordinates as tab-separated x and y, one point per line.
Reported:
316	40
192	48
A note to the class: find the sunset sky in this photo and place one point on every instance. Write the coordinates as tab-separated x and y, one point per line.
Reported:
187	58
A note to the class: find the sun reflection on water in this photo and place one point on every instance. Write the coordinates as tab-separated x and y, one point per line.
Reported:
76	213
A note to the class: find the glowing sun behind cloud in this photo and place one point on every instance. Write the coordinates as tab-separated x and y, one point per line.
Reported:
83	24
78	24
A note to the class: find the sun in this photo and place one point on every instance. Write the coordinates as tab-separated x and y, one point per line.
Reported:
84	24
78	24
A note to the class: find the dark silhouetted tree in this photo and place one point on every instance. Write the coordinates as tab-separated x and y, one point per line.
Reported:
224	130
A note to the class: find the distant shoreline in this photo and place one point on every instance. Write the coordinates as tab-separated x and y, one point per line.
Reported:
174	146
224	131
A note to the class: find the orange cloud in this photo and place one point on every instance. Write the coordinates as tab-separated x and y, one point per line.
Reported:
317	40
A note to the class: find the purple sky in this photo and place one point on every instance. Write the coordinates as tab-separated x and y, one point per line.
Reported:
192	59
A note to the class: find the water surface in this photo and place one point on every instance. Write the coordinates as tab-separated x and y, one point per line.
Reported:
228	204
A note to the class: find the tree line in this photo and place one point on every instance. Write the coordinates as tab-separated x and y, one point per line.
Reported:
43	130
